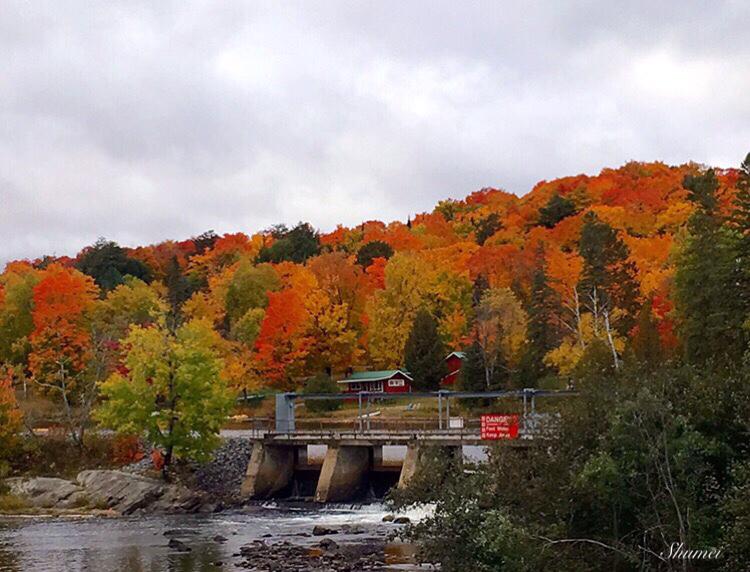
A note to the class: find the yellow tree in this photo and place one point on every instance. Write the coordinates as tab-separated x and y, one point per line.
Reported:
16	323
392	310
500	333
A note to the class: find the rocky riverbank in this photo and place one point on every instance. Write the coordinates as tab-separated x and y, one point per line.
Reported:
346	548
328	555
118	492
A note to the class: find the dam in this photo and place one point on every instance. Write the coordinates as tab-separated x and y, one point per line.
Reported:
354	461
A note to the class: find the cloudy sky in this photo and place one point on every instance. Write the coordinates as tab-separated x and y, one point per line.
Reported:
142	121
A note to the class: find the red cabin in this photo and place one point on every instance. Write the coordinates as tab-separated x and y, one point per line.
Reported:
453	360
388	381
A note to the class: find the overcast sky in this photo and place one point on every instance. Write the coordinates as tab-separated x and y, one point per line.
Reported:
143	121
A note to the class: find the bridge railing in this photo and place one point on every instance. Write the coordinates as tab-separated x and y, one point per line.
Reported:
285	420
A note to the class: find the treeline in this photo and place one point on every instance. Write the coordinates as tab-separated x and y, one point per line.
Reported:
528	287
648	467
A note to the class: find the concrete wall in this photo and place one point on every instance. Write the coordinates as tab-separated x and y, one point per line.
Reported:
270	470
345	470
342	474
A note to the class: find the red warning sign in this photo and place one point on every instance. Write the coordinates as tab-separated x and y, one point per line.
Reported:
494	427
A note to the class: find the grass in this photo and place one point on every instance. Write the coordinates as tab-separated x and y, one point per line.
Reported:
10	504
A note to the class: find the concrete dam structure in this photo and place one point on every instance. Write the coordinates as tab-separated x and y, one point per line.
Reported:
353	465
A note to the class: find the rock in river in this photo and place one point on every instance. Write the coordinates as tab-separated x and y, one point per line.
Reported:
323	530
175	544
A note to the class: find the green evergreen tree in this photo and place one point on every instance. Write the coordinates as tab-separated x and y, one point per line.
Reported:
472	375
321	383
480	286
542	332
646	344
108	264
709	310
295	245
556	209
740	219
609	278
372	250
487	227
179	288
424	352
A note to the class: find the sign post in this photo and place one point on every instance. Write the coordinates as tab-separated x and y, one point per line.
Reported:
496	427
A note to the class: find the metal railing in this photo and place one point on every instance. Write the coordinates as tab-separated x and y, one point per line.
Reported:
366	422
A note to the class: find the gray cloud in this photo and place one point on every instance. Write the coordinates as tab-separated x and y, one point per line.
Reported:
143	121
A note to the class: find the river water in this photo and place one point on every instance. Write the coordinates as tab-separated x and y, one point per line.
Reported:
139	544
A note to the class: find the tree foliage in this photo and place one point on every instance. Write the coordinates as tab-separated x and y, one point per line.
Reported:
321	383
10	418
172	393
556	209
108	264
295	245
424	353
369	251
710	321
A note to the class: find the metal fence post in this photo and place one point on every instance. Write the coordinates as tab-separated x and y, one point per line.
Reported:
359	410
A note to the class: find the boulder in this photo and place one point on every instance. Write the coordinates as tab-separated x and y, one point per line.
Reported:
401	520
123	492
47	492
328	544
323	530
388	518
179	546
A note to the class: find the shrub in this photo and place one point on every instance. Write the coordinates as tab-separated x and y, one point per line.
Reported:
322	383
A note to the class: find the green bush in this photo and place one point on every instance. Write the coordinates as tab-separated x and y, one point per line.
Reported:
322	383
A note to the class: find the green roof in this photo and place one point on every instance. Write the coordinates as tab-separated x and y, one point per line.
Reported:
374	375
459	355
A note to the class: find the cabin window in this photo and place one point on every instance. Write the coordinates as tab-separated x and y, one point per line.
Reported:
395	383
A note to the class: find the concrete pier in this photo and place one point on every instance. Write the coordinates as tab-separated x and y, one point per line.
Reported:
271	468
352	462
343	471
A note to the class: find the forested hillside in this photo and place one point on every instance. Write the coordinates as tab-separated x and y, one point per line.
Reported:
632	286
576	261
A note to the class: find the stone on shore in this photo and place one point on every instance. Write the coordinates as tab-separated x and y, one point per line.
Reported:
123	492
47	492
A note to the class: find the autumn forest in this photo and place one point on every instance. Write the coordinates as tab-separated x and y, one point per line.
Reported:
578	261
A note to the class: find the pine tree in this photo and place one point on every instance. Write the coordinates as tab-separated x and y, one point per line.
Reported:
608	286
472	373
424	352
556	209
710	318
481	285
740	219
646	344
542	333
178	286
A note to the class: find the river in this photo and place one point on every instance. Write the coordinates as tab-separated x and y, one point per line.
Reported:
139	544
